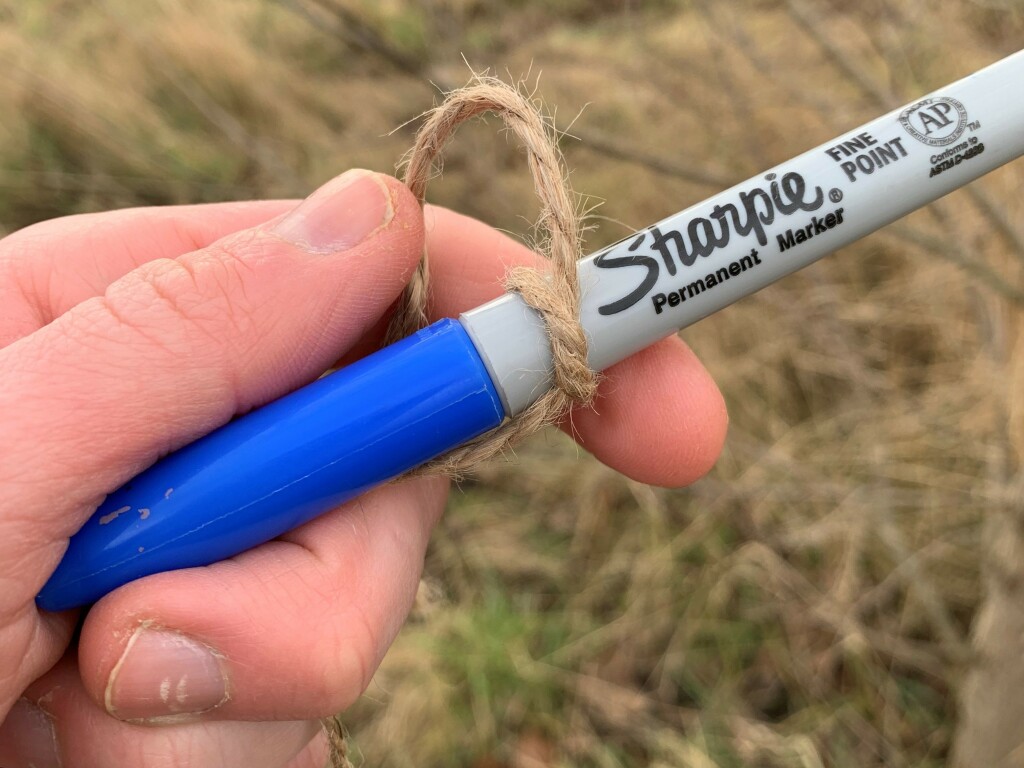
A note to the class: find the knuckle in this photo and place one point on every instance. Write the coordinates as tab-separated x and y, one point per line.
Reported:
351	656
340	663
206	293
334	664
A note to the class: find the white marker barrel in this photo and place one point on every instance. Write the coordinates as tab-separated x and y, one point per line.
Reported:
684	268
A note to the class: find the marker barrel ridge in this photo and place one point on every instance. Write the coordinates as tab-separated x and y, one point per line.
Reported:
282	465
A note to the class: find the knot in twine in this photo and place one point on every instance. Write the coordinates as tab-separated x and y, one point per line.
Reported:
554	294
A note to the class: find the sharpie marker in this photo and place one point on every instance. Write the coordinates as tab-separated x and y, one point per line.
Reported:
298	457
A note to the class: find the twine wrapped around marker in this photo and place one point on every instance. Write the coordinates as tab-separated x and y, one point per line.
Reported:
554	294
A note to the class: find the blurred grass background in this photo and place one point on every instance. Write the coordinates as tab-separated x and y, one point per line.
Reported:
810	603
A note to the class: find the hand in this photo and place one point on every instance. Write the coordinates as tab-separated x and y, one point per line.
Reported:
126	335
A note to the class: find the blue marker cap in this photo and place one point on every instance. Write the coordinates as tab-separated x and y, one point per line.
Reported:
277	467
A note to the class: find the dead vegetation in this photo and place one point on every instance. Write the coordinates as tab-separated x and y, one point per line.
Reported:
808	604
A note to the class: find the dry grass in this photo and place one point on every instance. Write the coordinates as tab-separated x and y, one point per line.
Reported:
809	603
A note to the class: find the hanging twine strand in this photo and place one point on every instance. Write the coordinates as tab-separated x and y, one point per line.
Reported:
554	294
336	742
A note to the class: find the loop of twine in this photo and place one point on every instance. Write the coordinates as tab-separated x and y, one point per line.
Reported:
555	295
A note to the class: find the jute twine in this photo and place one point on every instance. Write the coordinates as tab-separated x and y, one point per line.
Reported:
553	293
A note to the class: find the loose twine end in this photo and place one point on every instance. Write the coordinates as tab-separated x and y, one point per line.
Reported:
554	294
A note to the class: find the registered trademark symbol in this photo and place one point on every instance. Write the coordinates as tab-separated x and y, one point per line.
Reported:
835	194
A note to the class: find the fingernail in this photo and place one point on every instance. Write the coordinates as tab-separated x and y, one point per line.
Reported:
28	733
339	215
164	673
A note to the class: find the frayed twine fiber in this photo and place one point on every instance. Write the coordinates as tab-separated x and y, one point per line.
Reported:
335	733
554	294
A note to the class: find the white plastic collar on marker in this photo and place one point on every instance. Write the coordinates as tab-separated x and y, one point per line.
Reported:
684	268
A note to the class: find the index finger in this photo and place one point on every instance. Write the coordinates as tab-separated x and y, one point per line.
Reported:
49	267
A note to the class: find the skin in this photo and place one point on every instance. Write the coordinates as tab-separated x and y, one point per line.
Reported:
105	320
